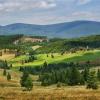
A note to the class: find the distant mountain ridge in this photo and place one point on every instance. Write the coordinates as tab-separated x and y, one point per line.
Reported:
62	30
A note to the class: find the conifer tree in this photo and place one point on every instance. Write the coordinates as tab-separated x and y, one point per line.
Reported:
85	74
92	81
4	72
8	77
98	74
75	76
26	81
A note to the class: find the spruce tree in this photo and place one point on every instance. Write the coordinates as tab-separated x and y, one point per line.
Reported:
98	74
24	78
6	64
75	76
26	81
4	72
29	83
92	81
1	53
85	74
8	77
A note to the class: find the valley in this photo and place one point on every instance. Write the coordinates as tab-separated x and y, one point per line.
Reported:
49	49
57	69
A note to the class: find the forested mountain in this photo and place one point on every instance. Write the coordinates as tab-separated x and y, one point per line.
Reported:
62	30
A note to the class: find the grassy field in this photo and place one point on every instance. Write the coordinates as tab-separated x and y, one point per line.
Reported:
69	57
7	57
11	90
49	93
92	55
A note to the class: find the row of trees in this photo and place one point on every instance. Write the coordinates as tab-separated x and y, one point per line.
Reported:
49	67
71	76
70	45
7	74
66	73
5	65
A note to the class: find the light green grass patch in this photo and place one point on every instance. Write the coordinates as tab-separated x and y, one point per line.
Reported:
75	57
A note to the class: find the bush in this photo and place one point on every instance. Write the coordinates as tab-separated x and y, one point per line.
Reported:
58	84
93	86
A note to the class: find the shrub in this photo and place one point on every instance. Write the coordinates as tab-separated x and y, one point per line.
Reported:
58	84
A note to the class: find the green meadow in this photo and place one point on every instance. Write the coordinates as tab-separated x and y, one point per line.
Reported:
91	55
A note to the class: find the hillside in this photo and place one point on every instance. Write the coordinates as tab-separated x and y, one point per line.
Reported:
70	44
62	30
55	69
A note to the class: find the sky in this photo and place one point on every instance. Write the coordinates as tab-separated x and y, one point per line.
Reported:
48	11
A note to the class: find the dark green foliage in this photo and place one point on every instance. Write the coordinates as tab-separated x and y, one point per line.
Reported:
52	56
62	53
0	53
98	74
10	66
31	58
4	65
86	73
47	68
31	52
70	45
58	84
26	81
4	39
7	41
8	77
4	72
46	79
24	78
75	76
47	55
92	81
82	80
70	76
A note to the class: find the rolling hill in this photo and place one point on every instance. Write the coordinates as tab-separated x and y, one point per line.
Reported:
62	30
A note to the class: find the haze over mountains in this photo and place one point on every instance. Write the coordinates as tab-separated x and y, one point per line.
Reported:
62	30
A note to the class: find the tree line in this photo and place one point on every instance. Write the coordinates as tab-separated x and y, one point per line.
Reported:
71	76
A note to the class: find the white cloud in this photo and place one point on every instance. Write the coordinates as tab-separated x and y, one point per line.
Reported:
83	2
12	5
44	4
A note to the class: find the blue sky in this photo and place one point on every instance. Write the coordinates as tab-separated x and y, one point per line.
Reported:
48	11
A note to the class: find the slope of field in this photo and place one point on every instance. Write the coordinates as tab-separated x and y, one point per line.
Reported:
91	55
49	93
7	56
11	90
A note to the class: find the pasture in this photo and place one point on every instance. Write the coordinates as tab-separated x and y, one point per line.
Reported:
91	55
